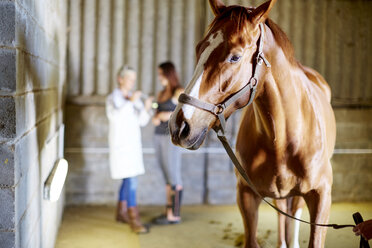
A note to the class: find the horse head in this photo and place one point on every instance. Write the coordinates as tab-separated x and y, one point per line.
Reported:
226	58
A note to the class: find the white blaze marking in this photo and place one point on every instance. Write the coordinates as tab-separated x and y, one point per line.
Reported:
296	230
188	110
193	87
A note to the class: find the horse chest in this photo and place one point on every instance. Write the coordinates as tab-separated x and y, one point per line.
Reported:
274	177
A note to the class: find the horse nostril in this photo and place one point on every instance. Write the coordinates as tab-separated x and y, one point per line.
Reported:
184	130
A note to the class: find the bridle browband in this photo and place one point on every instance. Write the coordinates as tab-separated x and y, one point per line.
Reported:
219	109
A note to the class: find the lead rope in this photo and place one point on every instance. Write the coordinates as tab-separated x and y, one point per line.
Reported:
218	110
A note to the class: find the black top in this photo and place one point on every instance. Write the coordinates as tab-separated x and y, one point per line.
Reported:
167	106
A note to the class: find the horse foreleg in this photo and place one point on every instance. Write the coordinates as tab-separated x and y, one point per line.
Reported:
296	211
282	205
319	204
248	204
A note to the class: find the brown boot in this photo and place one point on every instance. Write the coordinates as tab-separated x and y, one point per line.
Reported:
122	212
135	222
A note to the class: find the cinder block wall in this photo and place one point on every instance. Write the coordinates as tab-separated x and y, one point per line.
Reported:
32	81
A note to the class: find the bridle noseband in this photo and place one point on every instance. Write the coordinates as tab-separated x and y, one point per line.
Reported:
219	109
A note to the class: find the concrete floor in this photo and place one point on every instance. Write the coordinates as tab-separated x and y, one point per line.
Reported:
202	227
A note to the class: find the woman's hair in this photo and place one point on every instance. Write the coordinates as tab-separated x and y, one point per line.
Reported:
169	71
124	70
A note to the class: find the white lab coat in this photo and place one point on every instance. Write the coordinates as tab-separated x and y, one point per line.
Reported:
125	120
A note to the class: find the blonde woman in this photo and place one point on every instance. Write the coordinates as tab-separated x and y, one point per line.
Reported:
126	114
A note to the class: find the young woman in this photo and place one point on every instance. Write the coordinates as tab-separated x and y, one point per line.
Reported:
168	155
126	114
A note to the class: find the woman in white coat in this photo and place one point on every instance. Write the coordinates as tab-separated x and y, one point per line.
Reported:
126	114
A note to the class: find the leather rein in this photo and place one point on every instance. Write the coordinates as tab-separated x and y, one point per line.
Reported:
218	111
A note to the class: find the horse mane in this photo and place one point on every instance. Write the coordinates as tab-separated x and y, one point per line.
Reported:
240	15
282	39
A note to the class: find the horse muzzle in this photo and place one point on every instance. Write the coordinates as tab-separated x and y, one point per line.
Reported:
184	134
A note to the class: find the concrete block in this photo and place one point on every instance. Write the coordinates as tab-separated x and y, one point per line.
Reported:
32	35
221	180
29	225
219	163
94	199
151	185
45	116
7	23
222	196
353	128
7	213
7	239
48	156
35	239
38	146
35	73
7	70
7	118
193	178
86	126
80	162
89	183
35	157
26	152
352	177
6	165
50	219
28	188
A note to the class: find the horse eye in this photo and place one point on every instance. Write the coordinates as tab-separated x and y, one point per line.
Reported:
234	58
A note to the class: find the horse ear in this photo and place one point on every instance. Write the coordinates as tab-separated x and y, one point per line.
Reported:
217	6
261	13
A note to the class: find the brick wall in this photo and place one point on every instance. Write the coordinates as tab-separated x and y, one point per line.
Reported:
32	79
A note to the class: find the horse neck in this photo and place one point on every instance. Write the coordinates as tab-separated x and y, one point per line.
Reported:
277	105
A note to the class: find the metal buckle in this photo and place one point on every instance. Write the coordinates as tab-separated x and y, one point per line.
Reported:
218	109
260	59
253	81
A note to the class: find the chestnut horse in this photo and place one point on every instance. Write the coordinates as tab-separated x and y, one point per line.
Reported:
286	136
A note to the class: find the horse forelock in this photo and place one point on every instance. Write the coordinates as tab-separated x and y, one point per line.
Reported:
239	16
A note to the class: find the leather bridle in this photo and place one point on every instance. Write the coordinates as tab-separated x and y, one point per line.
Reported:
219	109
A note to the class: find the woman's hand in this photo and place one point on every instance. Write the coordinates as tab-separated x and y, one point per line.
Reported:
155	120
164	116
364	229
148	103
135	96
